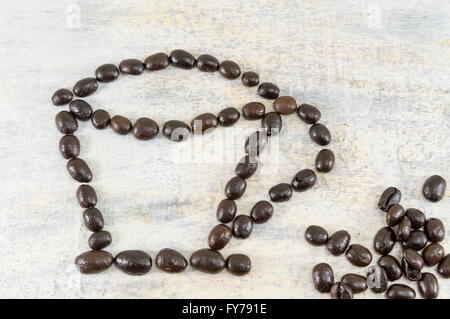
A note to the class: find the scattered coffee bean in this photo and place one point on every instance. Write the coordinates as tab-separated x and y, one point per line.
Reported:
358	255
320	134
176	131
250	79
304	180
228	116
428	286
323	277
384	240
66	122
390	197
391	266
219	237
433	254
99	240
226	211
417	240
69	146
285	105
132	66
85	87
434	229
94	261
120	124
261	212
246	167
61	97
434	188
400	291
106	73
404	229
308	113
268	90
412	264
242	226
235	188
157	61
444	267
207	261
80	109
271	123
145	129
238	264
325	161
79	170
100	119
204	123
377	279
182	59
255	143
171	261
341	291
93	219
86	196
394	215
229	70
417	217
316	235
357	283
280	193
207	63
133	262
253	111
338	242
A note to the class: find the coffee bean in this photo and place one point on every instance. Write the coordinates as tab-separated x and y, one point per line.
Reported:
341	291
250	79
358	255
66	122
404	229
62	96
238	264
433	254
268	90
417	217
255	143
394	215
81	109
145	129
434	188
325	161
271	123
86	196
280	193
400	291
204	123
176	131
320	134
69	146
303	180
444	267
100	240
207	63
242	226
171	261
94	261
308	113
338	242
228	116
133	262
253	111
235	188
357	283
157	61
391	266
390	197
316	235
85	87
261	212
182	59
132	66
428	286
377	279
412	264
219	237
229	70
417	240
323	277
93	219
226	211
246	167
207	261
434	229
285	105
384	240
120	124
79	170
106	73
100	119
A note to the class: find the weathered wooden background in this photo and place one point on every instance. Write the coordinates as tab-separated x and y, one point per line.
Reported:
378	70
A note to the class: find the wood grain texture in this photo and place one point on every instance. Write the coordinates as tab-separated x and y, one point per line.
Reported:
378	70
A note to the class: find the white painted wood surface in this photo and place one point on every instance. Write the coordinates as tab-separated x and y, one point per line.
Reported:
378	70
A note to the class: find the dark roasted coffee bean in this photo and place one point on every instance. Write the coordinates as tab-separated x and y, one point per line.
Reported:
391	266
62	96
235	188
268	90
204	123
261	212
86	196
444	267
358	255
229	70
238	264
357	283
316	235
412	264
208	261
253	111
320	134
157	61
100	240
94	261
66	122
417	240
120	124
338	242
176	131
285	105
428	286
433	254
341	291
246	167
132	66
170	260
271	123
93	219
250	78
303	180
81	109
308	113
100	119
228	116
400	291
255	143
434	188
182	59
434	229
85	87
69	146
377	279
280	193
207	63
390	197
404	229
394	215
384	240
219	236
325	161
242	226
145	129
133	262
323	277
79	170
417	217
107	73
226	211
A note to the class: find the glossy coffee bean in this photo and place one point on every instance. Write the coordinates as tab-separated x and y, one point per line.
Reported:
93	219
391	266
62	96
358	255
308	113
434	188
417	240
304	180
100	240
242	226
69	146
176	131
428	286
66	122
120	124
235	188
145	129
325	161
338	242
132	66
204	123
246	167
238	264
100	119
433	254
280	193
412	264
390	197
226	211
323	277
444	267
253	111
435	230
133	262
341	291
320	134
86	196
404	229
377	279
384	240
255	143
261	212
357	283
207	63
285	105
182	59
394	215
228	116
268	90
171	261
271	123
219	237
85	87
250	78
400	291
157	61
207	261
80	109
229	70
79	170
94	261
316	235
107	73
417	218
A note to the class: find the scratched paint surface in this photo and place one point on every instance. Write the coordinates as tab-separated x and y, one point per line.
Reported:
378	70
